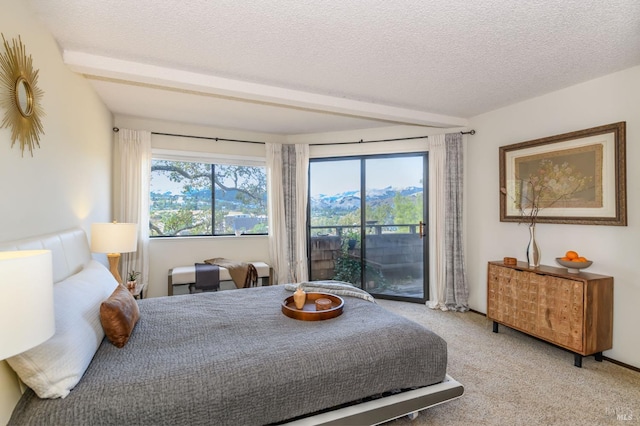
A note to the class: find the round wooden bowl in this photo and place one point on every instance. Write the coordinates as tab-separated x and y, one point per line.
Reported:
309	312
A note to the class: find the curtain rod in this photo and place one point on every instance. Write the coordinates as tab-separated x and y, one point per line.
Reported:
363	141
116	130
470	132
207	137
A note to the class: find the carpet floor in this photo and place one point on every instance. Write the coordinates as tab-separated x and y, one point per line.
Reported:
513	379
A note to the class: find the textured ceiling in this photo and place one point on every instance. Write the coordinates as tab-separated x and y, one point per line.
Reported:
374	62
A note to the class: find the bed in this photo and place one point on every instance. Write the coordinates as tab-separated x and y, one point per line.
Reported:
233	358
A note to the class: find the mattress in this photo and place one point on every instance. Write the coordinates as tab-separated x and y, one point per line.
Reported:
230	358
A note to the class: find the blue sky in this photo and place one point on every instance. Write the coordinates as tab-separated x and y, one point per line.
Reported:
335	177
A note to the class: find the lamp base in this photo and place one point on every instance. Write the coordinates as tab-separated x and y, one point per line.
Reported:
114	259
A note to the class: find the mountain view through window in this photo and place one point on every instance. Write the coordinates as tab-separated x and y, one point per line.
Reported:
365	223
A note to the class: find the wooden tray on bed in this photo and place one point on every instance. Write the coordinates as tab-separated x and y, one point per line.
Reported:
308	311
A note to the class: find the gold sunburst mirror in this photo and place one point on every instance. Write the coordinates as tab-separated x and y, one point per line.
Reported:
20	96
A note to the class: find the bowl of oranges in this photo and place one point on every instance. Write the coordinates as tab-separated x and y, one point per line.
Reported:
573	261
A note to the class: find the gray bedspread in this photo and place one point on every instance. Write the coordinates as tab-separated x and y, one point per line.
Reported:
233	358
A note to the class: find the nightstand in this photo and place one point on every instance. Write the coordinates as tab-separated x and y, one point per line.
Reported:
138	292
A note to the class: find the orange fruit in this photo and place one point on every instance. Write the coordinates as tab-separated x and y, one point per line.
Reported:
571	255
582	259
564	258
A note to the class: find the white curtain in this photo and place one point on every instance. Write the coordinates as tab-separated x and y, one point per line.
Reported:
287	176
437	277
278	246
132	168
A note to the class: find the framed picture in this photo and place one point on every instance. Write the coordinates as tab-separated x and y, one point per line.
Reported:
577	177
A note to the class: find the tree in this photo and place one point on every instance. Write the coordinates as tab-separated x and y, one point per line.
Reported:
381	214
231	186
408	209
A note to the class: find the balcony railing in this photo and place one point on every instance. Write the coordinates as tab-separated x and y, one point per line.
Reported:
393	250
370	228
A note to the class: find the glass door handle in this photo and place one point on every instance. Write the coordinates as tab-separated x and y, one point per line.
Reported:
421	232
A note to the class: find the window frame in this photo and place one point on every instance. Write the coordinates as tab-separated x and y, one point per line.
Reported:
214	160
362	158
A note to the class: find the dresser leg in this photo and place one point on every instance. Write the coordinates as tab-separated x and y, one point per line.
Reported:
495	327
577	360
598	356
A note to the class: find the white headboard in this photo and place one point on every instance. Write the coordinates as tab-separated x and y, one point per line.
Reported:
69	249
70	252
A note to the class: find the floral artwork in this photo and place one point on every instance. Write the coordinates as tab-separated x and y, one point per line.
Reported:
550	184
572	178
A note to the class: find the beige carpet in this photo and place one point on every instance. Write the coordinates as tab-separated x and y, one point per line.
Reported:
513	379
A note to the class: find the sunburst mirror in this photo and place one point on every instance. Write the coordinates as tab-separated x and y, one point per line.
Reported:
20	96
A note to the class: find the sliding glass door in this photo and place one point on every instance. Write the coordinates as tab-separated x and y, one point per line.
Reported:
366	216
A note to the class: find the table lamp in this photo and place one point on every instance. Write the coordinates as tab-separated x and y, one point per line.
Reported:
26	300
114	238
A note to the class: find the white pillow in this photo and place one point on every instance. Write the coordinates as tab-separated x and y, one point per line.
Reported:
54	367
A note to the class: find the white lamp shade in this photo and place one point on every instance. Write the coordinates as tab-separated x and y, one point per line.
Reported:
114	237
26	300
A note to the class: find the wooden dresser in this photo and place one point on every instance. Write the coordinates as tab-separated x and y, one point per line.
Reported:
573	311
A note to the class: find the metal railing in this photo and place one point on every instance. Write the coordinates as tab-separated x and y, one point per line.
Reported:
370	228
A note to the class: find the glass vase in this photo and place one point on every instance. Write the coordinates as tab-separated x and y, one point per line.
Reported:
533	251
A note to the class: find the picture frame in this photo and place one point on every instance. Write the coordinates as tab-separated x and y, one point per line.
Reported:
571	178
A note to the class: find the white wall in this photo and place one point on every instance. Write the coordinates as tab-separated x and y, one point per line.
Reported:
323	144
67	182
615	250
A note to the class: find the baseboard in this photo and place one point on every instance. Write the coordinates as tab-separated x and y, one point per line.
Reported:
621	364
611	360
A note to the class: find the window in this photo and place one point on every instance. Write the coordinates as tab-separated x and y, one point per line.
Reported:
366	223
190	198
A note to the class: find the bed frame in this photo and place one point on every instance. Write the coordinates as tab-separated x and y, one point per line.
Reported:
408	403
70	252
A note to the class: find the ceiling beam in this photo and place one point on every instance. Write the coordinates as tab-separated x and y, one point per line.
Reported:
101	66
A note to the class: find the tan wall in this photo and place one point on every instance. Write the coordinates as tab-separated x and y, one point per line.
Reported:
67	182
